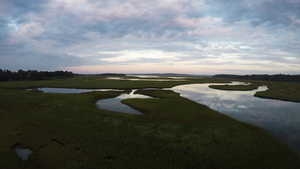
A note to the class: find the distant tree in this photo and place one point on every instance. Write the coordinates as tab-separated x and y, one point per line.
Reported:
21	75
6	75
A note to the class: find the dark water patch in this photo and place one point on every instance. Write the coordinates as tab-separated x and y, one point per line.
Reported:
22	152
53	141
109	157
59	143
69	90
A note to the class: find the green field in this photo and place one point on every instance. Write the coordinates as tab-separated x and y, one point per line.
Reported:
173	132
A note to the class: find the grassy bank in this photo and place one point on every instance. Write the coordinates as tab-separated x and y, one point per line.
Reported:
281	91
174	132
96	82
234	87
286	91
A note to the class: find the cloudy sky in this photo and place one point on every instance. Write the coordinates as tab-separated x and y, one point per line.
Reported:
151	36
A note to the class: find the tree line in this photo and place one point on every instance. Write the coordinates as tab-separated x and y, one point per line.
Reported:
7	75
277	77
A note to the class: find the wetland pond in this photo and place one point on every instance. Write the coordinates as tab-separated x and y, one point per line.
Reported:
111	104
115	104
281	118
23	153
70	91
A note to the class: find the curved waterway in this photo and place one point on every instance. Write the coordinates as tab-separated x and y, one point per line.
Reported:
115	104
281	118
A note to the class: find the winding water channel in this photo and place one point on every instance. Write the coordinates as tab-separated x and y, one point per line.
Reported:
115	104
282	118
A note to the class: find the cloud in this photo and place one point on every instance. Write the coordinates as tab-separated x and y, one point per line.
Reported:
55	34
146	56
285	12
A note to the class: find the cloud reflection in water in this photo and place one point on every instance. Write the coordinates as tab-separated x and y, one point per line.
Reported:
281	118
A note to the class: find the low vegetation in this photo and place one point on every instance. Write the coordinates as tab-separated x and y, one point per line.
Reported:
96	82
174	132
234	87
265	77
281	91
287	91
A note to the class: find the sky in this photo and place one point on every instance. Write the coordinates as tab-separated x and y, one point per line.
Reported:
151	36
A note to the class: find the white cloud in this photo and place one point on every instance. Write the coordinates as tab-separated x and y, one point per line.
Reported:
174	34
127	56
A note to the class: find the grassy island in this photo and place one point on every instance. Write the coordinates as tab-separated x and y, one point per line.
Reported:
234	87
69	131
286	91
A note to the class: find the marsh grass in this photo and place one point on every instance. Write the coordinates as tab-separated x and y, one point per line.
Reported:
174	133
281	91
286	91
100	82
234	87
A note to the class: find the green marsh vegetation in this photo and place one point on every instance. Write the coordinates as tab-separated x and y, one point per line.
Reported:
281	90
96	82
174	132
287	91
281	87
234	87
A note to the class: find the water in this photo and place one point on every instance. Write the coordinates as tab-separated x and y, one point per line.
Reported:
158	80
114	78
281	118
148	78
157	77
69	91
115	104
23	153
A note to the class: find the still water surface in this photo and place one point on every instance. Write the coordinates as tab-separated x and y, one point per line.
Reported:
115	104
69	90
281	118
23	153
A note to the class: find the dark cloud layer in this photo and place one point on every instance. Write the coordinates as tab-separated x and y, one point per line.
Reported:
285	12
68	34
